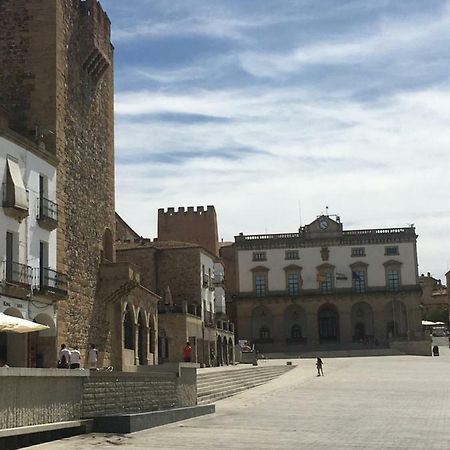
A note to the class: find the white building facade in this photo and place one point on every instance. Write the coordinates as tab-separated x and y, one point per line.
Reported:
326	287
29	282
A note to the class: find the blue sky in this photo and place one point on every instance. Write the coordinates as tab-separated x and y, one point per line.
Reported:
256	106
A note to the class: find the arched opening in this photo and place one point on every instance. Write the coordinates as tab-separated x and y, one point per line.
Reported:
42	344
396	318
153	336
108	245
362	323
264	333
14	346
230	351
262	321
225	351
142	339
128	329
328	317
294	324
219	351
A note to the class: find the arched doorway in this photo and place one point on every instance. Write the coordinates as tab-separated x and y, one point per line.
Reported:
362	323
219	351
14	346
225	351
230	351
142	339
328	317
42	344
294	324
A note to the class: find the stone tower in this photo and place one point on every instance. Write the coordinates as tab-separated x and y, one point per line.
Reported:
56	82
195	226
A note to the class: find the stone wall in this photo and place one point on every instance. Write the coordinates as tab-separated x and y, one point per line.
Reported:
48	79
38	396
188	225
111	393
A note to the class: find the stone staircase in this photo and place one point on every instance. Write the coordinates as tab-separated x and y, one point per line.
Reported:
221	384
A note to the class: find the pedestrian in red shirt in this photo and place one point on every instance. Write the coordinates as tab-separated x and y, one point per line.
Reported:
187	352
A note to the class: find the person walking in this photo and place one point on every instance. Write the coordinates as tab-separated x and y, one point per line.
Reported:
64	357
187	352
75	358
319	365
93	357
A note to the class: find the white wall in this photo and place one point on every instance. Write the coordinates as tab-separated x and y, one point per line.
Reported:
219	292
207	262
30	233
340	257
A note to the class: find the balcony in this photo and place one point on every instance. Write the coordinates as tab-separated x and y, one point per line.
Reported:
14	201
52	282
48	214
17	274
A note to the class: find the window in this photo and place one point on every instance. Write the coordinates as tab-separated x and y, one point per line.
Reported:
296	332
326	282
359	280
393	279
43	265
264	333
292	254
358	251
390	251
261	285
293	283
259	256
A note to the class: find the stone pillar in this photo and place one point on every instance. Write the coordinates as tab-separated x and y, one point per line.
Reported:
312	328
379	325
147	352
154	348
136	343
345	325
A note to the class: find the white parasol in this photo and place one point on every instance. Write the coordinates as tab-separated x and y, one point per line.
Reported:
17	325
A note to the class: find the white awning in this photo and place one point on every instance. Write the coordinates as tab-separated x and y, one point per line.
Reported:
18	325
20	193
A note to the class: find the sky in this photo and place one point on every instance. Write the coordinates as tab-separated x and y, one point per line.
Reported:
272	110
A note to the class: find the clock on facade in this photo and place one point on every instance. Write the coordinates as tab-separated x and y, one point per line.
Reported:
323	224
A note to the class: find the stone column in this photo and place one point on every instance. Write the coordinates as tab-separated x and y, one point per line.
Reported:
154	348
379	325
345	324
312	324
147	352
136	343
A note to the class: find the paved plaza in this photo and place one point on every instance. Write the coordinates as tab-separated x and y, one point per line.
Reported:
394	402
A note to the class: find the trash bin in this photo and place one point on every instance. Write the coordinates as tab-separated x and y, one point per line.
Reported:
435	350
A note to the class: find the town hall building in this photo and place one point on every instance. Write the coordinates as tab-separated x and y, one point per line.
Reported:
325	287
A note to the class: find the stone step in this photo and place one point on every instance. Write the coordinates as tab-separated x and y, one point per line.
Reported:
228	386
237	379
235	372
245	384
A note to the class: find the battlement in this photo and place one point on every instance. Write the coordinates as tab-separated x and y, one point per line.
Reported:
194	225
94	10
200	210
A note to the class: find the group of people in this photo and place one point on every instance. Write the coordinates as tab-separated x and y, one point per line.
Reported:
71	358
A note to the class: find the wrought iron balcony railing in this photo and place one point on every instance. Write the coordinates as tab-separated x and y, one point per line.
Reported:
52	281
16	273
47	213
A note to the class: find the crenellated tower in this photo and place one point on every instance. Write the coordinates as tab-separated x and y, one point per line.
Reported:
198	226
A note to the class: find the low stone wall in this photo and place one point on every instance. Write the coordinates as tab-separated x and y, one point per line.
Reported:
39	396
122	392
413	347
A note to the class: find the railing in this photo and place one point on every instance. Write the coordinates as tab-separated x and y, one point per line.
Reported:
47	209
53	281
16	273
303	234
